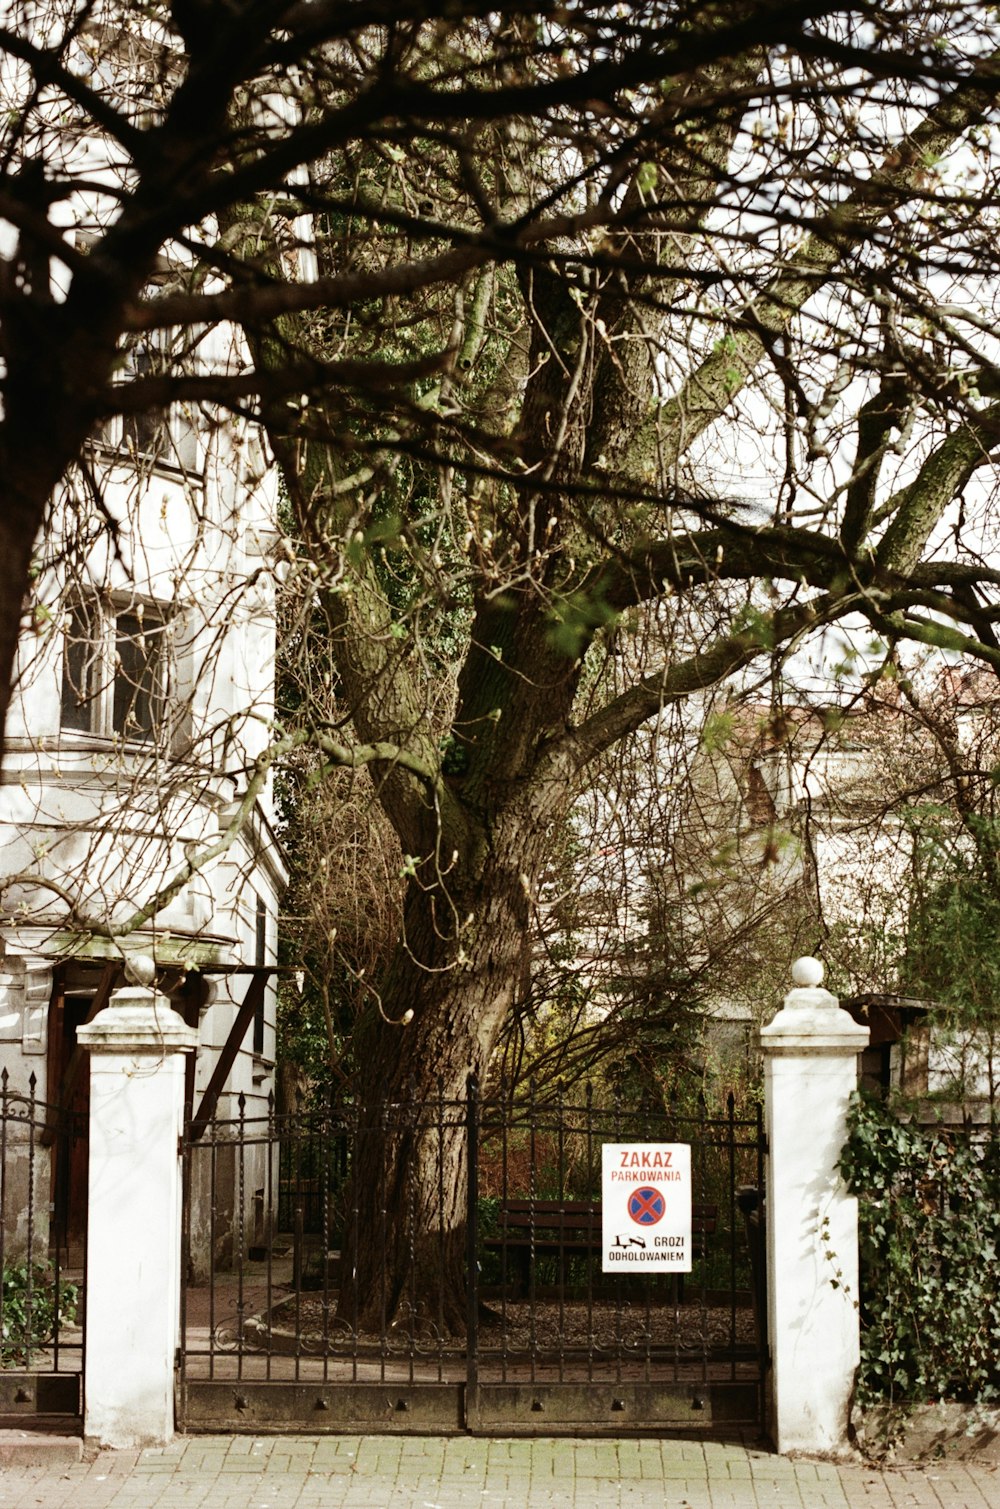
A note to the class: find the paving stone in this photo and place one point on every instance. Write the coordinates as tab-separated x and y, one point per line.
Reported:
327	1472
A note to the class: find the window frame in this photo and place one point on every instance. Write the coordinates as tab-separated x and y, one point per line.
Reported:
103	706
167	440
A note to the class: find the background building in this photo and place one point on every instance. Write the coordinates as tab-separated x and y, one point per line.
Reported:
136	811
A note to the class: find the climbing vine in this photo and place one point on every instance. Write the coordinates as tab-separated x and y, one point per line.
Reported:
929	1212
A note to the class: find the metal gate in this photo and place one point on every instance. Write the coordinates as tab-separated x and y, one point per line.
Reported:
273	1340
43	1271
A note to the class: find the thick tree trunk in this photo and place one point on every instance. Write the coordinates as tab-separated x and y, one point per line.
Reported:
18	530
405	1255
404	1261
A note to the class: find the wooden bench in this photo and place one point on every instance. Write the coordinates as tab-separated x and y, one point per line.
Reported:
565	1229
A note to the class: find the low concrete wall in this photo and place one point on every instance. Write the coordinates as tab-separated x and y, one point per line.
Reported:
945	1431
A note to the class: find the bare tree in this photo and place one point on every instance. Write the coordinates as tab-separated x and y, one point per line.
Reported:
572	327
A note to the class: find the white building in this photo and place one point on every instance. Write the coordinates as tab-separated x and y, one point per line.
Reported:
735	841
136	812
130	822
824	819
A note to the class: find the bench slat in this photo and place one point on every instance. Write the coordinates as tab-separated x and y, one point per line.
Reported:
576	1222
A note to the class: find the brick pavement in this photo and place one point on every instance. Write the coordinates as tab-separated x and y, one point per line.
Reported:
394	1472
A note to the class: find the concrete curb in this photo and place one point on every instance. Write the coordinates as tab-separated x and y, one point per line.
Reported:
27	1448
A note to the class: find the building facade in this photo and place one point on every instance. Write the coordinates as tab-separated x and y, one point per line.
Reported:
136	808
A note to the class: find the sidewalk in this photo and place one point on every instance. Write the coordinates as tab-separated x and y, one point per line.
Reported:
375	1472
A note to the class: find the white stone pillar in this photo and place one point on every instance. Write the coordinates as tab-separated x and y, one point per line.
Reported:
810	1069
137	1046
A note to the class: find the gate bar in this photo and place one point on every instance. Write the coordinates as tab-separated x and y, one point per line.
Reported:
472	1244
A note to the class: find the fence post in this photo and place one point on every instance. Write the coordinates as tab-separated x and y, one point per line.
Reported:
810	1069
472	1249
137	1046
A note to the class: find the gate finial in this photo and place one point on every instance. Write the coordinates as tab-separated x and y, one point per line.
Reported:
808	971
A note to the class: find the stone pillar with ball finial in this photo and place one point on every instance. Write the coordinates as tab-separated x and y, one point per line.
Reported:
810	1070
137	1046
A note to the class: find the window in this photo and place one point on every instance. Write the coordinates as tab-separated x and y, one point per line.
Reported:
145	434
167	437
260	959
114	670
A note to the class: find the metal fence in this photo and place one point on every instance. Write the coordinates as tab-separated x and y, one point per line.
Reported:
43	1294
359	1293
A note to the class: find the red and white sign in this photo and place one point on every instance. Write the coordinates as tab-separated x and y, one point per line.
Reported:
646	1207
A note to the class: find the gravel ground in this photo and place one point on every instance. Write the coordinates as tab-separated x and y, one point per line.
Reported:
545	1327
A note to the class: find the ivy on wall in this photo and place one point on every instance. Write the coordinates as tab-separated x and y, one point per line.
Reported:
929	1225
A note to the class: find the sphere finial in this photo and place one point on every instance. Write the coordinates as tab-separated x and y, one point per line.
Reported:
807	972
140	969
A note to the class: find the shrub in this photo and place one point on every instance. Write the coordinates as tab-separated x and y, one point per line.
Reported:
32	1307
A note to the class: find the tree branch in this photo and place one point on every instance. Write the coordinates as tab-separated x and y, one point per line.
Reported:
568	755
711	388
48	70
944	472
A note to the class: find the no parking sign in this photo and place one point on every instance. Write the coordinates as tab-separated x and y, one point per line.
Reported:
646	1207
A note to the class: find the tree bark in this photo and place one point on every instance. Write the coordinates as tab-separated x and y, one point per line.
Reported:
457	970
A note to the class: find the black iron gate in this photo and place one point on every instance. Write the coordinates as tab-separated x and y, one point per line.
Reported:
273	1338
42	1271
